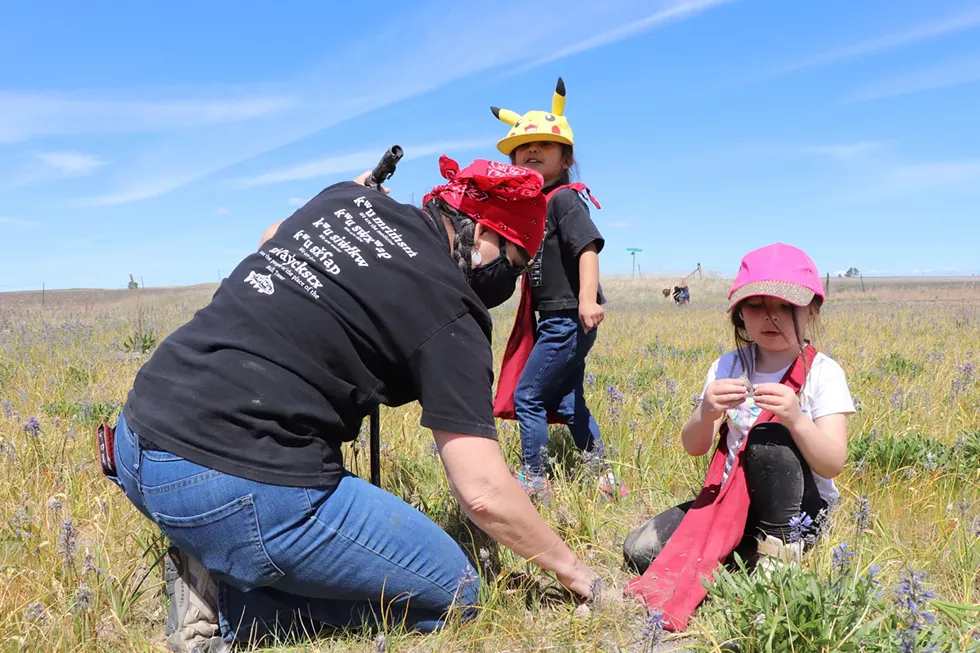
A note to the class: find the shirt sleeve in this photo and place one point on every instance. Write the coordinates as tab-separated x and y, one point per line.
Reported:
575	227
710	378
830	392
453	376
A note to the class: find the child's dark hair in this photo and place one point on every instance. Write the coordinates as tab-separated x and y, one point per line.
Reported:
742	340
567	154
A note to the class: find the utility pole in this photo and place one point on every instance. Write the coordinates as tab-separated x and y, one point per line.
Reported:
633	251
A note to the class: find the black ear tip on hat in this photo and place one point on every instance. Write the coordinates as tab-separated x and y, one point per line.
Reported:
495	111
561	87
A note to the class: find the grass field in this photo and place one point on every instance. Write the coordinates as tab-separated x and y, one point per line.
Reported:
80	569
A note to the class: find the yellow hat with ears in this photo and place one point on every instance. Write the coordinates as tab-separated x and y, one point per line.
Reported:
536	125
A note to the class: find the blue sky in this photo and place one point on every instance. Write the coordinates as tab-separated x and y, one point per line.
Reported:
161	139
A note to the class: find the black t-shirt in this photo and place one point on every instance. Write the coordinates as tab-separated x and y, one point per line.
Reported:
354	302
554	274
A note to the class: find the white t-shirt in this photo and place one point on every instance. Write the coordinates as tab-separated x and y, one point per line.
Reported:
824	393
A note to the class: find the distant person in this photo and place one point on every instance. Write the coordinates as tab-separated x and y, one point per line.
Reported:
542	377
231	437
681	294
780	410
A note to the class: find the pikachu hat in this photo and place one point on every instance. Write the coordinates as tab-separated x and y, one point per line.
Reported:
536	125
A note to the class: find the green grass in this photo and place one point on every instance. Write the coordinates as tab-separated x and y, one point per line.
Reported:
71	364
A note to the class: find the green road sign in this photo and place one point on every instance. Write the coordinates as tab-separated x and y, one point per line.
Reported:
633	249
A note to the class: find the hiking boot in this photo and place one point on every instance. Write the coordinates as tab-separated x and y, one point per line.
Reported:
773	553
192	618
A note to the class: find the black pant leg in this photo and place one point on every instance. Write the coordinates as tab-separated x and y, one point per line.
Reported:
780	482
644	544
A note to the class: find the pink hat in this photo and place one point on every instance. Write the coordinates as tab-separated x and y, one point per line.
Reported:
777	270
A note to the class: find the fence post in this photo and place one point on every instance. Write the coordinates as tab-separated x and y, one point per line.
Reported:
826	289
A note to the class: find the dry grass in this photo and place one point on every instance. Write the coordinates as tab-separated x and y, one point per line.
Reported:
905	353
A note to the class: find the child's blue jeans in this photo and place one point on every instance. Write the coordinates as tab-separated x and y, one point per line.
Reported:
289	558
553	380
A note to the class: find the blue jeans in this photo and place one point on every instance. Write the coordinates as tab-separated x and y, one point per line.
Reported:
553	381
288	559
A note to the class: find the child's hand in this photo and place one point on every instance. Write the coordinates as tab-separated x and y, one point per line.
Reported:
780	400
590	314
722	395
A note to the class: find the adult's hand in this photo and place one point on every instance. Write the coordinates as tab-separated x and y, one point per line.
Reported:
496	502
362	180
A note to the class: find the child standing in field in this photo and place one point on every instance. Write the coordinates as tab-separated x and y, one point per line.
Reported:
543	372
781	409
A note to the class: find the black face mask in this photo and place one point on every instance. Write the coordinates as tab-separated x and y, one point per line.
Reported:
495	282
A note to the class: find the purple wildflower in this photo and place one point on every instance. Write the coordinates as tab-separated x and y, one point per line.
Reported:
8	408
842	558
799	526
653	630
83	597
590	379
910	598
36	612
68	541
32	427
862	516
671	386
615	398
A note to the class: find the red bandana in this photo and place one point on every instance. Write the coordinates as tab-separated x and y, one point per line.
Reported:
503	197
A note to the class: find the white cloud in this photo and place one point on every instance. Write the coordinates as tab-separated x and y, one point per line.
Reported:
26	116
923	178
845	151
17	223
944	75
949	25
296	201
672	12
222	211
233	130
70	164
357	161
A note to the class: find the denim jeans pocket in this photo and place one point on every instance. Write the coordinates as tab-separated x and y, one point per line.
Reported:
227	540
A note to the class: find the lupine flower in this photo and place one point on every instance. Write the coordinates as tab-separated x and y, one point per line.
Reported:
7	451
83	597
590	379
35	612
67	541
21	522
32	427
842	558
615	398
8	408
862	516
910	598
653	630
467	581
671	386
595	460
799	526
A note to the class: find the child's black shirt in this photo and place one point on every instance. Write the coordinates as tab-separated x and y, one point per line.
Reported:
555	272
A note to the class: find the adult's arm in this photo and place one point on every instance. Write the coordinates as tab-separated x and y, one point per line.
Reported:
496	502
